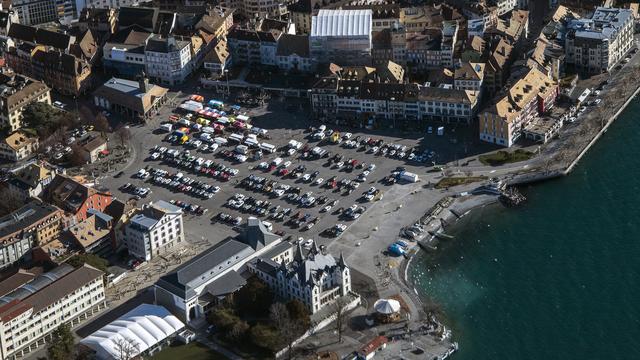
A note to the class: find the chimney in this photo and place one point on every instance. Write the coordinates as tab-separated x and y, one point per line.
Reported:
143	83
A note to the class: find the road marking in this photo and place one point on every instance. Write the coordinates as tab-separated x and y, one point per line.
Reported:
526	166
492	171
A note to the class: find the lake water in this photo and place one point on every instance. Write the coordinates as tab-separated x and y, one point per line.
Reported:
558	278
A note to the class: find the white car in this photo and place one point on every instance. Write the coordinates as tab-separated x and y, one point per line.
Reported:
318	181
215	189
371	167
286	164
306	177
155	155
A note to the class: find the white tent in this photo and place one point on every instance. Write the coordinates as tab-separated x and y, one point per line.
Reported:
387	306
142	327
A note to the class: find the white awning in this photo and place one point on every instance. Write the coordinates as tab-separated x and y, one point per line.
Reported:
143	327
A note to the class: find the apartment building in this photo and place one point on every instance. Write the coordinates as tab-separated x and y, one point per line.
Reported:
341	34
75	198
258	44
32	308
61	61
469	76
31	179
530	96
315	278
292	53
35	223
168	59
155	229
393	102
16	93
193	289
255	9
34	12
123	52
595	45
430	48
17	146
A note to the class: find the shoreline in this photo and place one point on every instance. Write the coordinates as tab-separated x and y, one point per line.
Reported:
481	201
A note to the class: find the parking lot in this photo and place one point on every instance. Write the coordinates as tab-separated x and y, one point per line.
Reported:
309	184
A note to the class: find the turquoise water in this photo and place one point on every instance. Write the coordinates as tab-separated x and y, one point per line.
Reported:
558	278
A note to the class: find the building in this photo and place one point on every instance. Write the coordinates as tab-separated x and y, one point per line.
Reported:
292	53
34	12
31	179
16	93
92	147
61	61
192	290
153	328
18	146
135	100
168	59
255	9
257	45
315	278
155	229
300	13
98	20
94	234
367	93
595	45
75	198
497	66
34	224
531	96
341	34
218	59
469	76
123	52
30	313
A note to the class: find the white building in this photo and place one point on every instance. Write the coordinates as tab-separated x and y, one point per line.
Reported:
595	45
168	60
154	230
341	35
191	290
314	278
148	328
33	307
504	6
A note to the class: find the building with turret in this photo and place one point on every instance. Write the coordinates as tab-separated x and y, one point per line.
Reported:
314	277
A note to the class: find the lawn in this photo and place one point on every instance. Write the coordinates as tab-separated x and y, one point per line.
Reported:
192	351
454	181
505	157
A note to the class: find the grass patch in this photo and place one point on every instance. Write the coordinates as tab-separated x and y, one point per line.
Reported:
455	181
192	351
505	157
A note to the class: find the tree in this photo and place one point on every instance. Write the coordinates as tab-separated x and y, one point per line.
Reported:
298	312
11	201
126	349
61	346
101	123
94	260
341	316
264	336
228	324
288	328
124	134
254	298
77	155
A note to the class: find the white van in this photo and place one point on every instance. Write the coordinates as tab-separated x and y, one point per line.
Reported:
166	127
277	161
208	130
268	148
220	141
268	225
236	137
251	142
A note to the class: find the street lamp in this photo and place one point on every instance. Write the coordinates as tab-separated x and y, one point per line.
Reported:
226	74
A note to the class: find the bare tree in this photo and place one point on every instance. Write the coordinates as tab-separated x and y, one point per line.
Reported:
126	349
101	123
11	201
341	316
288	328
124	134
77	156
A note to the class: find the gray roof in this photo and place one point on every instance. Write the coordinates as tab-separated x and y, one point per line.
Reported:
256	234
226	284
143	222
24	217
128	87
205	266
277	250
